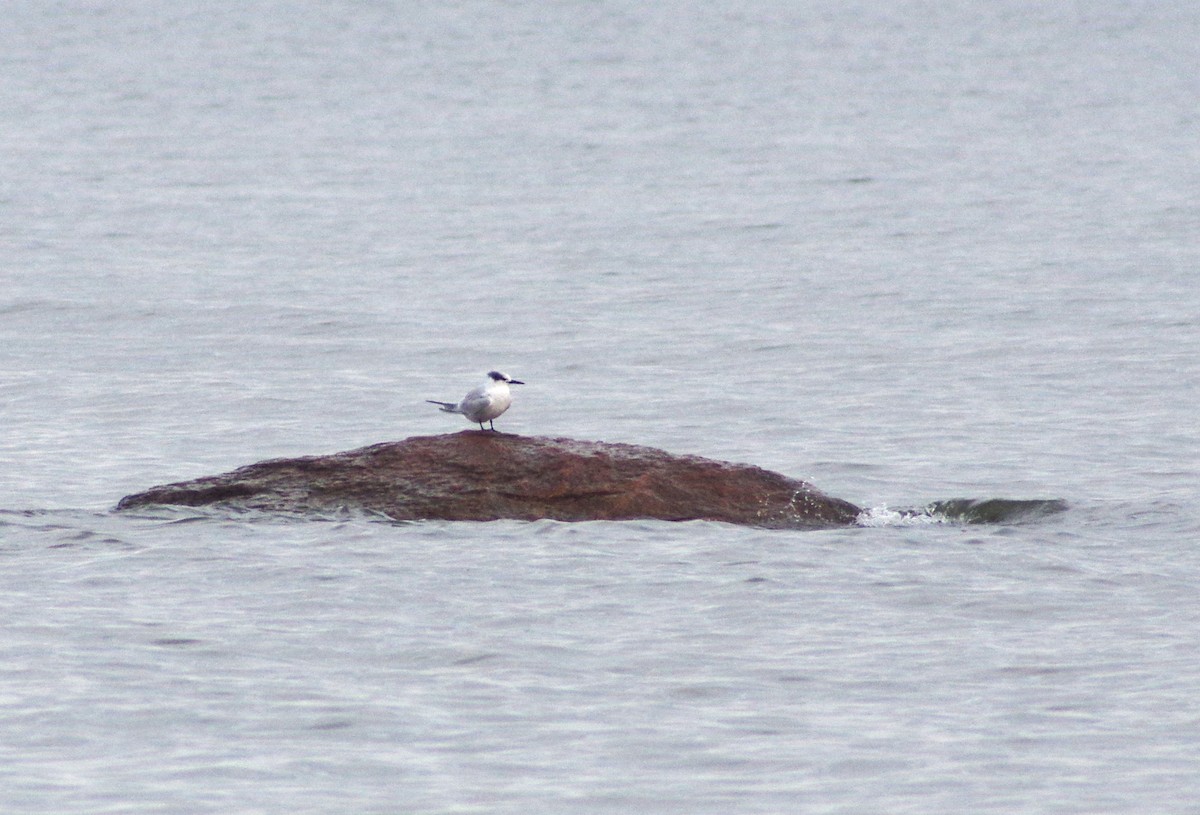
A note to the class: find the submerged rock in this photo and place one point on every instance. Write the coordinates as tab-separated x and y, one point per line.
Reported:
995	510
485	476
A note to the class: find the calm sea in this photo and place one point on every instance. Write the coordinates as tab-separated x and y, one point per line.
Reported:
909	252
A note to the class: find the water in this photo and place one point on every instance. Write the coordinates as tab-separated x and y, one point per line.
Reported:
912	254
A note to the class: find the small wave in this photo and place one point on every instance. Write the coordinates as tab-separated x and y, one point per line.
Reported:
964	511
885	516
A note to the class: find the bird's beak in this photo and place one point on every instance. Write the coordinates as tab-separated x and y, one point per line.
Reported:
515	382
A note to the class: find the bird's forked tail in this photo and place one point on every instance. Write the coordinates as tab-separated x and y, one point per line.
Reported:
447	407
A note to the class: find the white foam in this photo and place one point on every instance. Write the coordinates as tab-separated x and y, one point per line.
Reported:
883	516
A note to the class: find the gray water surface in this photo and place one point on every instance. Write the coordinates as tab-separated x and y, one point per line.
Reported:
910	254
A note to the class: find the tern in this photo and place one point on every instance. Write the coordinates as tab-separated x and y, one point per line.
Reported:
485	403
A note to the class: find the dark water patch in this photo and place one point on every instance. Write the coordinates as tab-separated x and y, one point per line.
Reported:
995	510
965	511
475	659
333	724
175	642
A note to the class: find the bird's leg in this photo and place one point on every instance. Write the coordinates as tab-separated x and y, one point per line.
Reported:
492	424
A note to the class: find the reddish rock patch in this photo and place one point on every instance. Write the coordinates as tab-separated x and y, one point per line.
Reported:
485	476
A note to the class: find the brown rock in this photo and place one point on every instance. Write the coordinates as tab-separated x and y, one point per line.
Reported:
484	476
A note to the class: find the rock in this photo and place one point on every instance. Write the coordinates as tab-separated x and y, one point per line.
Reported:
483	476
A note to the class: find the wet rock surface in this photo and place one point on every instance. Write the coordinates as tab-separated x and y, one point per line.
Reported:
484	476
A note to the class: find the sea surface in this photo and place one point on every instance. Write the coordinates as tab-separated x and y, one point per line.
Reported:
910	252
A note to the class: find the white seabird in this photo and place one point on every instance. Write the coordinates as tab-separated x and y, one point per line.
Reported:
485	403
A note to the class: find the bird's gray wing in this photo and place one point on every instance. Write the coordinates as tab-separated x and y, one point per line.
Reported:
475	401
